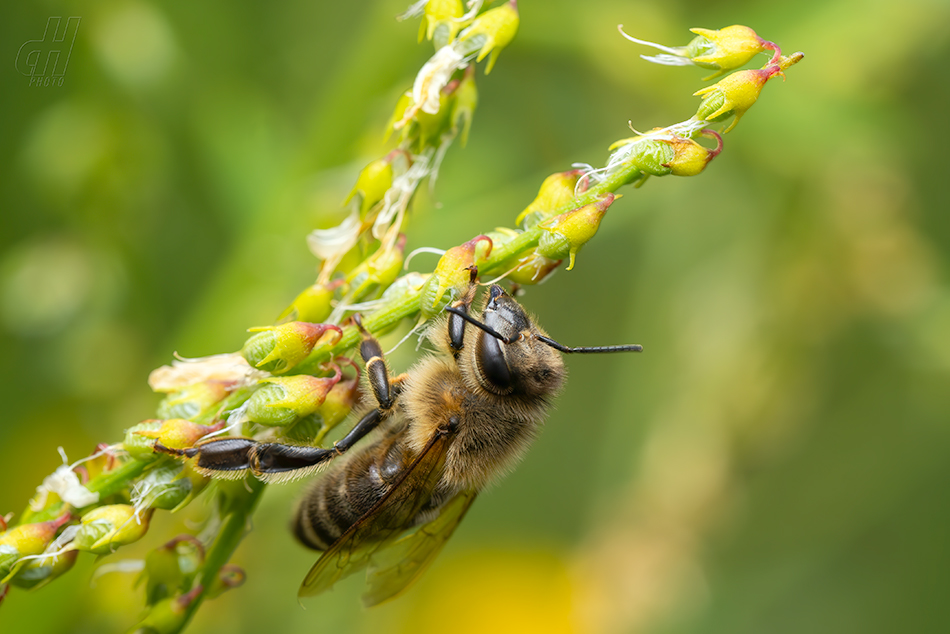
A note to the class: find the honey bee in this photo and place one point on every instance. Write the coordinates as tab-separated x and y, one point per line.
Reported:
455	422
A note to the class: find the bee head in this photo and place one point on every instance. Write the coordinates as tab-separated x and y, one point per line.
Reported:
509	356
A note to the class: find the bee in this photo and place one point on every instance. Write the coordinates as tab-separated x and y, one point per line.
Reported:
456	422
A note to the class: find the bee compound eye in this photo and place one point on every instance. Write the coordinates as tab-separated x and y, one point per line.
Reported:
492	362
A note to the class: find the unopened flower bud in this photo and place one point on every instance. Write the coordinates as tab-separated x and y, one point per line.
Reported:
689	157
567	233
451	273
168	615
169	567
372	184
138	445
193	400
556	191
105	528
720	50
277	349
312	305
735	94
337	406
163	487
491	32
377	271
533	269
25	540
282	400
40	571
178	433
466	100
440	22
229	577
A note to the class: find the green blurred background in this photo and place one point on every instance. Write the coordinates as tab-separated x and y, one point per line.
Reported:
776	461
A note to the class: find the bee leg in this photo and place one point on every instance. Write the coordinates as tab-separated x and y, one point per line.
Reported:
384	389
456	323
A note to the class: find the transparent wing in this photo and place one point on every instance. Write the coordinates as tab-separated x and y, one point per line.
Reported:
383	523
393	568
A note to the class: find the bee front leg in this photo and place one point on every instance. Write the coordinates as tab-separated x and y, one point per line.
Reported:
384	389
456	323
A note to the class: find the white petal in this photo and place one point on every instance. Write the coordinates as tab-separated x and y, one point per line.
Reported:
329	243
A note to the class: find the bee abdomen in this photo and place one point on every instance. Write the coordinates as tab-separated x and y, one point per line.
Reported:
346	493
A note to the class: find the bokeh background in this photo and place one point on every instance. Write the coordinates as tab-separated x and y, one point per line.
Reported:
776	461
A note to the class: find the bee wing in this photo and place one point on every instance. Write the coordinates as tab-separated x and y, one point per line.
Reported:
395	567
389	517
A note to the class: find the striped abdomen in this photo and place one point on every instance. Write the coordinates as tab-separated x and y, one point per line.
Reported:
347	491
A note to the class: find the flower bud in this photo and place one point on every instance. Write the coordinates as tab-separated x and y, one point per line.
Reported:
312	305
102	460
26	540
466	100
282	400
491	32
568	232
556	192
689	157
726	49
735	94
377	271
229	577
139	445
168	615
440	22
38	572
163	487
106	528
451	273
277	349
193	400
337	406
372	184
533	269
178	433
720	50
170	568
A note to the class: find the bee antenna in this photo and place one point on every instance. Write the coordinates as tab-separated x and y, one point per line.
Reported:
494	333
557	346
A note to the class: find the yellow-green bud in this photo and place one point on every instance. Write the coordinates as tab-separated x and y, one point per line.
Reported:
163	487
567	233
137	444
491	32
278	349
105	528
466	100
282	400
451	273
168	615
193	400
378	271
170	567
313	304
735	94
38	572
689	157
440	22
25	540
372	184
533	269
726	49
178	433
720	50
556	191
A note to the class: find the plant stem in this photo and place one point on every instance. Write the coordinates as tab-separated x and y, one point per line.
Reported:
229	537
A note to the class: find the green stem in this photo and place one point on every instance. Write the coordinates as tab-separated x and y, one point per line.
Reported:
229	537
